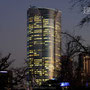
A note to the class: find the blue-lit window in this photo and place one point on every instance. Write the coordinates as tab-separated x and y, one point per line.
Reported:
64	84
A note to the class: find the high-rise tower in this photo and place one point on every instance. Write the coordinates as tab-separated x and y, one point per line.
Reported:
43	43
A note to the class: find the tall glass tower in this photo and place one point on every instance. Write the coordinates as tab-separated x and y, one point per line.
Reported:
43	43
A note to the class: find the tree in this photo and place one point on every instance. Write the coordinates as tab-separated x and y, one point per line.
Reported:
5	63
73	45
19	78
84	6
4	67
19	73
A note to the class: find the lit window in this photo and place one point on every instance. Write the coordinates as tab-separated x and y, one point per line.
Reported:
31	19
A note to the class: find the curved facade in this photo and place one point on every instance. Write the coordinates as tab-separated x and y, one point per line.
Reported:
43	43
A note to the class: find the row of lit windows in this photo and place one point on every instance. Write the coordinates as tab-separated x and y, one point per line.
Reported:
37	61
35	18
36	54
36	42
38	18
37	26
48	26
40	64
46	43
46	57
36	37
41	73
36	23
46	23
39	38
30	58
38	31
37	34
47	64
31	27
40	80
44	30
31	51
31	65
31	55
37	64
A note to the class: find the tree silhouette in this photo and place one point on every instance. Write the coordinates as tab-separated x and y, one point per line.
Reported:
73	47
19	78
19	74
5	63
5	74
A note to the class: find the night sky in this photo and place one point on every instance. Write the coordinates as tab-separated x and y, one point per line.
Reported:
13	24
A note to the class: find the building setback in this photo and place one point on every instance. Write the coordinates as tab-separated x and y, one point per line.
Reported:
43	43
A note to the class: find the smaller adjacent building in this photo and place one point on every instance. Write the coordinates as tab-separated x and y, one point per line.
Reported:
5	80
84	64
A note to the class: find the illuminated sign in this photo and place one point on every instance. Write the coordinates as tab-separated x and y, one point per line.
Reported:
3	71
64	84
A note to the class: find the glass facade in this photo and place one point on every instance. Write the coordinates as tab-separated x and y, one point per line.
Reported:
43	43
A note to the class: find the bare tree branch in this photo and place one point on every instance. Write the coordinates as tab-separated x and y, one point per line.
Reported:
5	63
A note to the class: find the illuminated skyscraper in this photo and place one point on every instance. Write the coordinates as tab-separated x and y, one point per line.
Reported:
43	43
